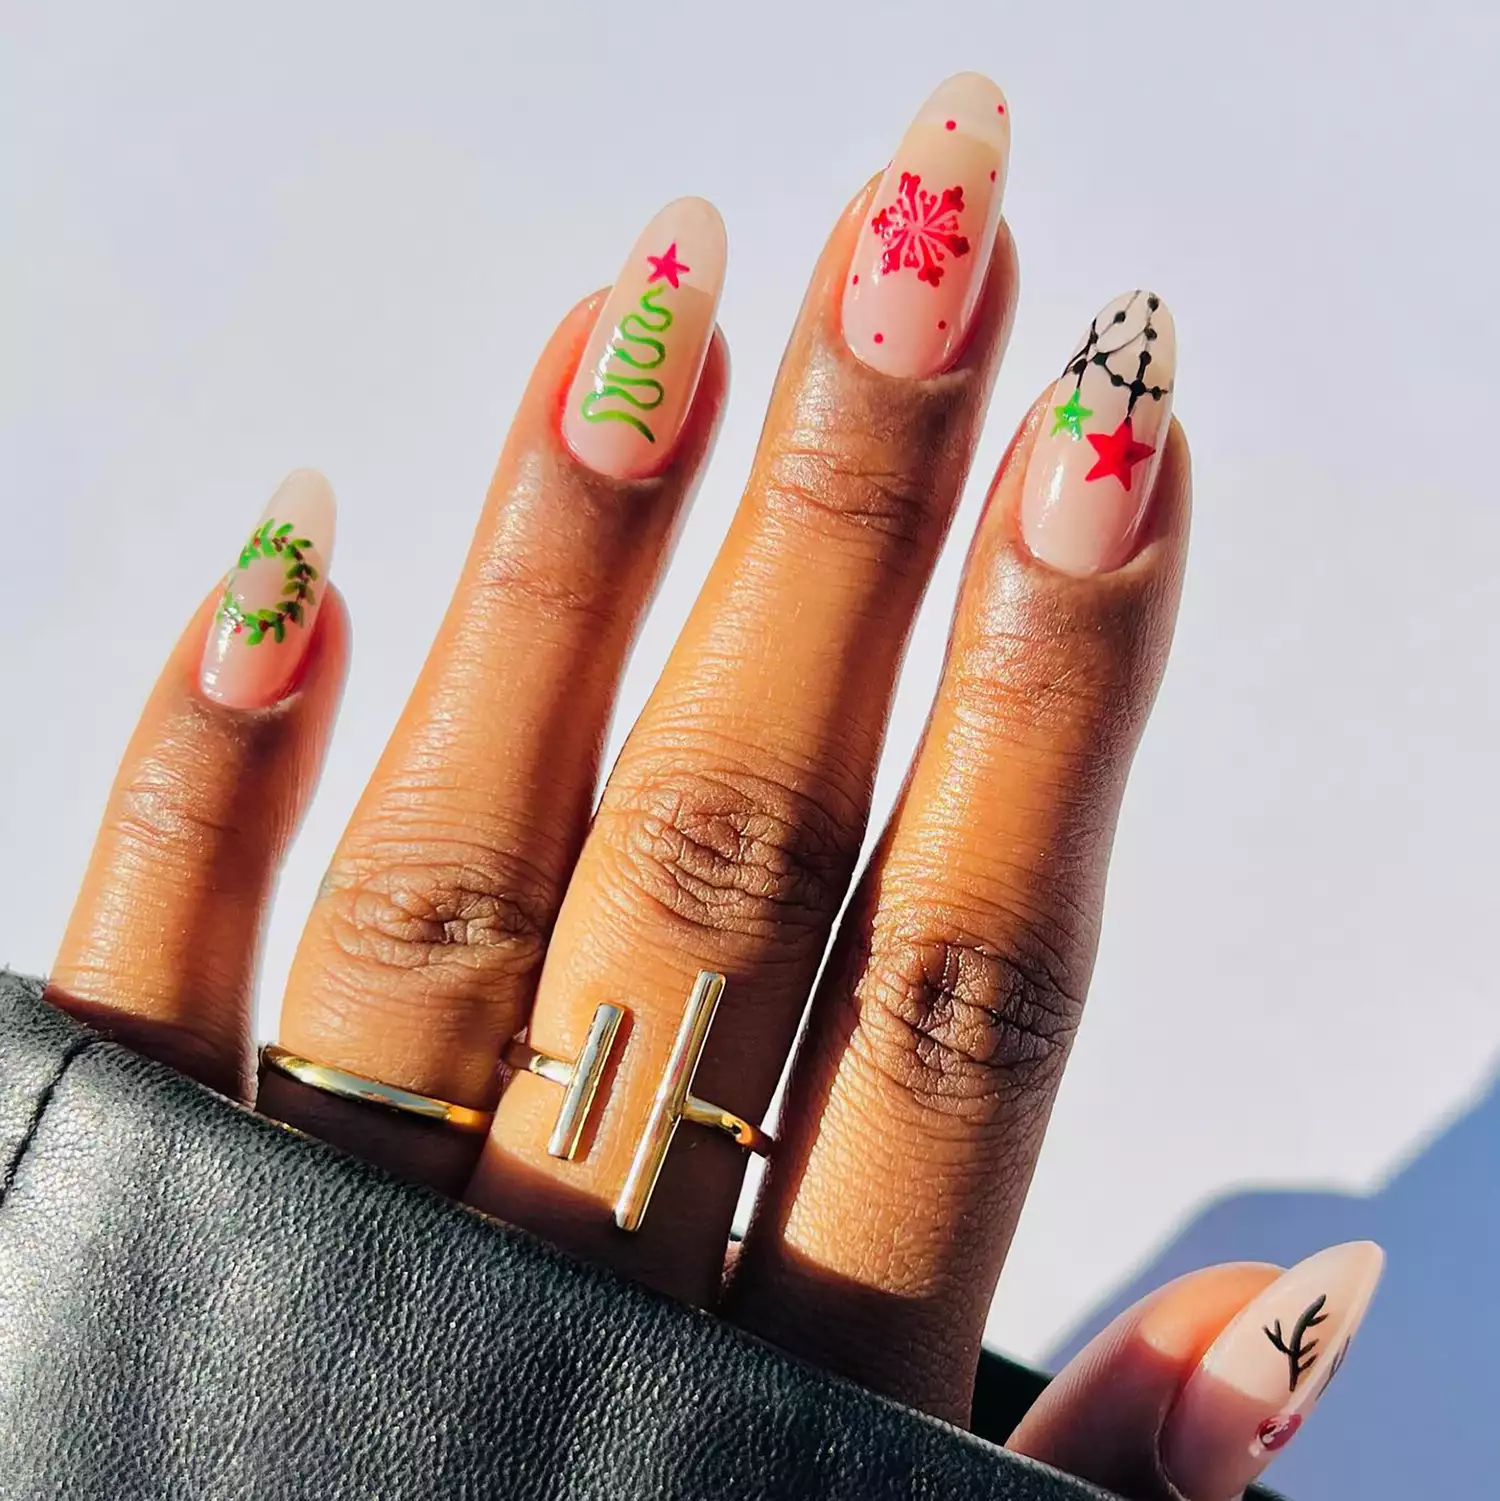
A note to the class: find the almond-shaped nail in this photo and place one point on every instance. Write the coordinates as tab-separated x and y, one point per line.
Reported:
264	624
922	255
1089	479
640	367
1266	1372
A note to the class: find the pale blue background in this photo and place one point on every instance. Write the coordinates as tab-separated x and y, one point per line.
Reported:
235	239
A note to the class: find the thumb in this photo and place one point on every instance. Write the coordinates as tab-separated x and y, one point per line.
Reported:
1191	1392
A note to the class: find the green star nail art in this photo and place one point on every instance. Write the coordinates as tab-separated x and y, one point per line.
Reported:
1070	416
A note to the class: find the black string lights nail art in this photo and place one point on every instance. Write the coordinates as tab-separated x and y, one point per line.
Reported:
1108	354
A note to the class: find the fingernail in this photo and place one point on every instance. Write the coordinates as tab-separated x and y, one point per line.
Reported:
640	367
1088	481
263	626
920	263
1266	1372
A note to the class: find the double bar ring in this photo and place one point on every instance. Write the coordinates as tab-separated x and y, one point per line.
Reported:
673	1103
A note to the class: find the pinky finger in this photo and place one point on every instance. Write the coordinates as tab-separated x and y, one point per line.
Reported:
161	947
1194	1390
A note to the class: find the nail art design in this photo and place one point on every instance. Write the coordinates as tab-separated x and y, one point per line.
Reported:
1089	478
1274	1433
615	392
1261	1378
1118	451
263	625
920	262
1300	1352
641	366
920	230
269	540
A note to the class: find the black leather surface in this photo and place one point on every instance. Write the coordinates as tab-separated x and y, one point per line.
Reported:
197	1303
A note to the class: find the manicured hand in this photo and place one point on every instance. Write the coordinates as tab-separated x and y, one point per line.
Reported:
480	892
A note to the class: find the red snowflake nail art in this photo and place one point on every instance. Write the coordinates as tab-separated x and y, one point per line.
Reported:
920	229
922	247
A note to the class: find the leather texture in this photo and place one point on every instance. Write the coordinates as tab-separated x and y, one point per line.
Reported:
195	1302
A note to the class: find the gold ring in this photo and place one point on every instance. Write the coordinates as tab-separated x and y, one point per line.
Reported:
674	1102
351	1086
579	1079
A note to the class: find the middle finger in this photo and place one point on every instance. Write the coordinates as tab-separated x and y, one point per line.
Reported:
728	832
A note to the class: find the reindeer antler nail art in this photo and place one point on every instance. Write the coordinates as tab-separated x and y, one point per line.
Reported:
1301	1353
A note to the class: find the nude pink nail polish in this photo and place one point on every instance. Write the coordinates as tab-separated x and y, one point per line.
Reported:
1266	1372
640	367
263	626
922	255
1089	478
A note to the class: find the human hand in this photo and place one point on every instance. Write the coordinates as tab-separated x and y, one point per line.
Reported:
728	831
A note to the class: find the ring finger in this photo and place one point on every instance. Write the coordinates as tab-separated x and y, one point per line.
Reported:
421	953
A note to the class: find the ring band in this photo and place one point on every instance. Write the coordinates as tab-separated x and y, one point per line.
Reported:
579	1079
752	1138
351	1086
674	1102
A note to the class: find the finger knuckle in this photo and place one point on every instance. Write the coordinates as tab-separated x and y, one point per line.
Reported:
732	852
1047	675
546	590
960	1026
844	476
1056	672
461	916
168	809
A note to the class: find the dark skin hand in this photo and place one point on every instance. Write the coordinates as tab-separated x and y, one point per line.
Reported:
480	893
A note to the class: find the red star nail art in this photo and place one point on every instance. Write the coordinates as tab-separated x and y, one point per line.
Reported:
1118	453
666	267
